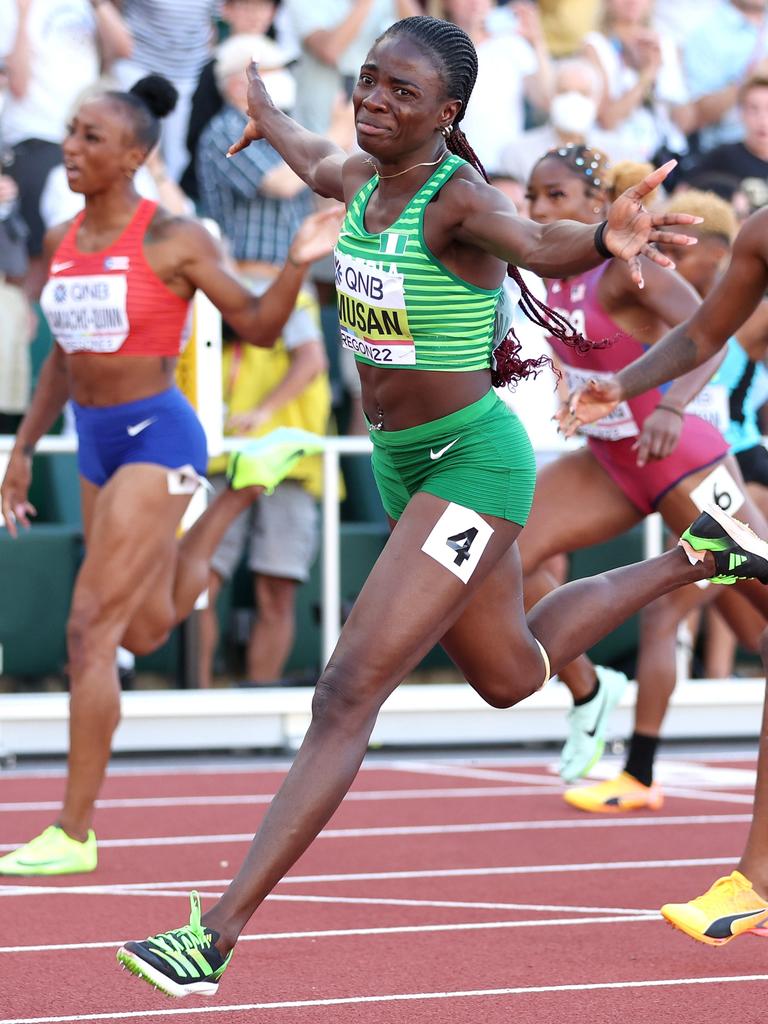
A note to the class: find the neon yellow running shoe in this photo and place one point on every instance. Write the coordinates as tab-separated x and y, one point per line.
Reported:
624	793
53	852
268	459
182	962
729	908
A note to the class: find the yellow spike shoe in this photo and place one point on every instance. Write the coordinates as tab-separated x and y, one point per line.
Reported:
731	907
53	852
624	793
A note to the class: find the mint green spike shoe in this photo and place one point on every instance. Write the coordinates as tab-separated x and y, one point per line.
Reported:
738	552
182	962
267	460
53	852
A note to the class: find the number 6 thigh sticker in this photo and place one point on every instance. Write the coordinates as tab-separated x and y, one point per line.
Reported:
457	540
718	488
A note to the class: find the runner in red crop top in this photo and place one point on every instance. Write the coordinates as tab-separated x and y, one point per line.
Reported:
645	456
122	275
112	300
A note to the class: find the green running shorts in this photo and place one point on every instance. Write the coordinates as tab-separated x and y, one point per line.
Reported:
479	457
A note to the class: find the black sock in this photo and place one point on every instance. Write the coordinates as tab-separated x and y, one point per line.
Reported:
590	696
642	753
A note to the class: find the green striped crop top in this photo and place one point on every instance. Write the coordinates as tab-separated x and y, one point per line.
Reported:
398	305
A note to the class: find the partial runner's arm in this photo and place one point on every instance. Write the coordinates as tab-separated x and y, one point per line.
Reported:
317	161
721	314
691	343
488	220
257	319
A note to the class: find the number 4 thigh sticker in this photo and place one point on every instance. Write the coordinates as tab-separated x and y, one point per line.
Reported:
457	540
718	488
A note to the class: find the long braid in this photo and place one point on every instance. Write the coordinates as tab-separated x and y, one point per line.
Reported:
456	58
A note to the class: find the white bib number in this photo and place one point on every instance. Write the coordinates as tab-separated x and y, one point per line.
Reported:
87	314
457	540
617	424
372	313
711	404
718	488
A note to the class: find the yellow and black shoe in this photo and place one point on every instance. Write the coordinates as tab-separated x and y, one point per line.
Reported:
731	907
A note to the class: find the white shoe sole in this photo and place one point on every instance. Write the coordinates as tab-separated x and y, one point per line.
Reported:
133	963
744	536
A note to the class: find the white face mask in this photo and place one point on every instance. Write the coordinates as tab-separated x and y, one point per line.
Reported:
281	86
573	112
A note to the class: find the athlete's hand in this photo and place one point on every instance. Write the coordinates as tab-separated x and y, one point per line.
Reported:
588	404
14	492
631	228
258	102
317	235
659	436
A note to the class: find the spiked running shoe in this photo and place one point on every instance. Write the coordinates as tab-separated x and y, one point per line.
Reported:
624	793
729	908
588	723
182	962
53	852
738	552
268	459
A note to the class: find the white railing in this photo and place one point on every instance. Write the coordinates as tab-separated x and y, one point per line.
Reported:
334	448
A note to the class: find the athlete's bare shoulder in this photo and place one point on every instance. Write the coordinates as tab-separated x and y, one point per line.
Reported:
467	193
54	237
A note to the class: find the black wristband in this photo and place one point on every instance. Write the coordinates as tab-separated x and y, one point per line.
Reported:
600	245
28	450
671	408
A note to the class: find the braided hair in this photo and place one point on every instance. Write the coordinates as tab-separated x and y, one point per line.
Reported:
455	58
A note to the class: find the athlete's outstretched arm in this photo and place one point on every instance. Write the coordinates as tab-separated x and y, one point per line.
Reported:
317	161
690	344
257	319
487	219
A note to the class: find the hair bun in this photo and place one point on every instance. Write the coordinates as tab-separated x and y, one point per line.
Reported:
157	93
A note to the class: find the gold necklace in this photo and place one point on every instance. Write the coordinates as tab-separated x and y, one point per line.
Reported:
397	174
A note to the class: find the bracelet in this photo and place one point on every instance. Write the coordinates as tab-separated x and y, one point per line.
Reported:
600	245
671	408
28	450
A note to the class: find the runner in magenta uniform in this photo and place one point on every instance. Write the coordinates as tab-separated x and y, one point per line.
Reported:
646	455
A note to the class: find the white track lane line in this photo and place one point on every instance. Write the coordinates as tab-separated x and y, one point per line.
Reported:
342	933
475	828
356	796
393	998
254	767
22	889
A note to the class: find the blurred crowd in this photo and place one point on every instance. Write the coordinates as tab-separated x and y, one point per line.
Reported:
638	80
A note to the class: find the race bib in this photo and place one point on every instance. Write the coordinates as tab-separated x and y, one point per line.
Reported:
87	314
711	404
617	424
372	314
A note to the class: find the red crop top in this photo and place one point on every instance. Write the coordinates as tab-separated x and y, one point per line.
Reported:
112	300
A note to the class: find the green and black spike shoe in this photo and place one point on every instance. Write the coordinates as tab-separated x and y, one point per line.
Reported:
268	459
182	962
738	552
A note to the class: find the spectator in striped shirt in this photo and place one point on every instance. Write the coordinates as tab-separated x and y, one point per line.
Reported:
173	38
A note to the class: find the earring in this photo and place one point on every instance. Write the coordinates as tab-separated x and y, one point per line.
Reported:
596	209
446	129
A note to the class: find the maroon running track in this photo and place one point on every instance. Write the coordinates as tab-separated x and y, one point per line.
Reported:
444	890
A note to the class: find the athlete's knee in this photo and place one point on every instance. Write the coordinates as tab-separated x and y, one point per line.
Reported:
343	697
515	679
90	635
142	640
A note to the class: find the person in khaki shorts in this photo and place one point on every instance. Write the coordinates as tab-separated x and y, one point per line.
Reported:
286	385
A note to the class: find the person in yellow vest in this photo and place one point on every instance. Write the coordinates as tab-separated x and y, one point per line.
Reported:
264	388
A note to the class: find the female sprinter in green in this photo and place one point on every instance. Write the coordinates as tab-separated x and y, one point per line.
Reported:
419	266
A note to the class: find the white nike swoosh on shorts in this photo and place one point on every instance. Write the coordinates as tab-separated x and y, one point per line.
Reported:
137	428
436	455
